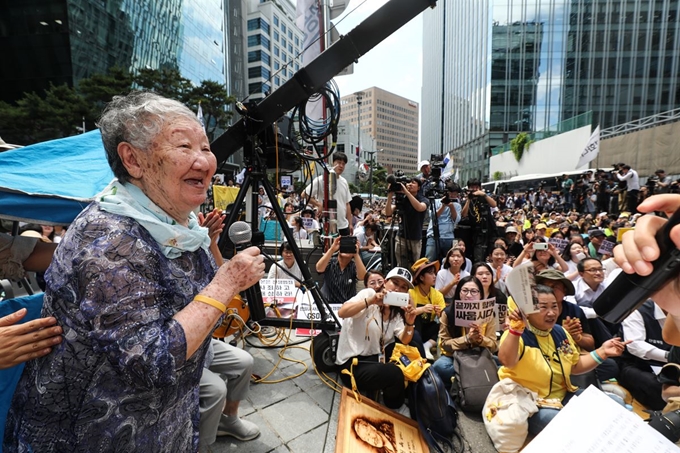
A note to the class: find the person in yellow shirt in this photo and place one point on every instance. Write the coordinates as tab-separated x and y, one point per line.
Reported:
540	355
429	302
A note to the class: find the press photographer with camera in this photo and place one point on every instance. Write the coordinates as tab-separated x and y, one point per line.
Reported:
630	176
411	207
478	210
448	210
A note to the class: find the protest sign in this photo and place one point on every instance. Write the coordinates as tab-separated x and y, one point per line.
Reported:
621	232
606	248
501	313
560	244
521	283
478	312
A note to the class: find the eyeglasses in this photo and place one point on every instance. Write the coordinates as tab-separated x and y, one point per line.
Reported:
594	270
472	292
375	282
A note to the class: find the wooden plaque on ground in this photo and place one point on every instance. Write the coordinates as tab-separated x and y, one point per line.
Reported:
368	427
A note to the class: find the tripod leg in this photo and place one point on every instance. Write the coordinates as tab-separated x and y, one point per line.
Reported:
307	275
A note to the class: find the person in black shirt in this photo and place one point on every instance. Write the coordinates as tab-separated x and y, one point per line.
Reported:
477	209
412	208
340	273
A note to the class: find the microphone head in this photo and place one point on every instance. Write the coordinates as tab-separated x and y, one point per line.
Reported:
240	233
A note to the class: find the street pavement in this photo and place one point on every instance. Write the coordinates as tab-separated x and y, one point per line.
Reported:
300	415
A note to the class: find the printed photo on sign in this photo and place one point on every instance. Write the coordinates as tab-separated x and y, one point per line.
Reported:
560	244
521	284
468	312
607	248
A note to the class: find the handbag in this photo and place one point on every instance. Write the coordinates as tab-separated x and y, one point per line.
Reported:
409	360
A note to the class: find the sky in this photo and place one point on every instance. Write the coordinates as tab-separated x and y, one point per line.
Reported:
394	65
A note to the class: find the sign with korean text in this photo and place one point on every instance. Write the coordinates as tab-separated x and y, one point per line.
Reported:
468	312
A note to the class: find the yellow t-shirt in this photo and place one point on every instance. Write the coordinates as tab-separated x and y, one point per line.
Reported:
435	297
539	369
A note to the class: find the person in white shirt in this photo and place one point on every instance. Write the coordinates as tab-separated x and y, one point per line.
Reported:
645	356
287	267
589	285
339	192
450	275
369	331
369	247
500	269
632	187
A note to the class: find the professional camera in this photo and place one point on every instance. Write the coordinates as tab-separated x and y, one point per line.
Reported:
394	180
651	183
433	187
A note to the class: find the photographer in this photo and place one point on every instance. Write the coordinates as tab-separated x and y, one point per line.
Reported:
478	209
340	274
411	206
448	215
663	182
630	176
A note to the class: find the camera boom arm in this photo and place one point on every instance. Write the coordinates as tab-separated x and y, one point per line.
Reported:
308	80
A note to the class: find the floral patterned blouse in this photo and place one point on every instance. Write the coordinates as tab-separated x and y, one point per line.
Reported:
120	380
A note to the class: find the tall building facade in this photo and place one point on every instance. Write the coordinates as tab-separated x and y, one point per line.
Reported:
63	41
392	123
274	44
508	66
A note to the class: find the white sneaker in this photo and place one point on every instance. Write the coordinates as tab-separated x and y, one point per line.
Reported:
240	429
428	355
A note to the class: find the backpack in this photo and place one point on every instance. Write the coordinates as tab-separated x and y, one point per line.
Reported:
434	410
475	373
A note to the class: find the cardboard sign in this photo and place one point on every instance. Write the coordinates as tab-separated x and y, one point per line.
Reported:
501	313
278	291
560	244
607	248
521	283
468	312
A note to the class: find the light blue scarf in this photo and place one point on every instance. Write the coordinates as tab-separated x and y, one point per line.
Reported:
128	200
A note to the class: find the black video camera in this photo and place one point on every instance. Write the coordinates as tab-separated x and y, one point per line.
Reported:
395	180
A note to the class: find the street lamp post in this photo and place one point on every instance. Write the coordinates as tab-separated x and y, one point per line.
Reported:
360	96
370	176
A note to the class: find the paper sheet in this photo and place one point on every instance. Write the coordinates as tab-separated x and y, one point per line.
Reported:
594	423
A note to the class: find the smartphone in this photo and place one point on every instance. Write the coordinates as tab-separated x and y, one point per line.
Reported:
540	246
396	299
348	244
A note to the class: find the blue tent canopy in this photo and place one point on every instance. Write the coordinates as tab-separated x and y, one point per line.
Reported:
51	182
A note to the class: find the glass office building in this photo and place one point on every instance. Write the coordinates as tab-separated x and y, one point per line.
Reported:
63	41
510	66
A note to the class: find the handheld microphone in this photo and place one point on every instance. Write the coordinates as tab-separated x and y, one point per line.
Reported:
628	291
240	234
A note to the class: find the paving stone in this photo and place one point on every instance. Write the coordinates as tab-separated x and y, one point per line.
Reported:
313	441
322	395
263	395
294	416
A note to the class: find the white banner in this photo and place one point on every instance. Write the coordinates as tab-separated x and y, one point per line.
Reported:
591	150
308	21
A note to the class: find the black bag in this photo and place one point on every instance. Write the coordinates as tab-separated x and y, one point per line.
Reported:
434	410
475	373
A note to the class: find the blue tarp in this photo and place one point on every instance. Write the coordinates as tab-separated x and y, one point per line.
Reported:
51	182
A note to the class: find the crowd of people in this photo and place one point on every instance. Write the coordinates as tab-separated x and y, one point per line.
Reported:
123	358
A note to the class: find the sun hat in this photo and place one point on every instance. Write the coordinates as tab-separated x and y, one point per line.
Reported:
554	274
422	264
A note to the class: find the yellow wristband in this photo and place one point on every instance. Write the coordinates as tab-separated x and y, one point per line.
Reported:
212	302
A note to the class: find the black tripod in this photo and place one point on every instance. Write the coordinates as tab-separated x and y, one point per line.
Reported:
255	176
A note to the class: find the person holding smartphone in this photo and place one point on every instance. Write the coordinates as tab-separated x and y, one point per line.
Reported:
369	330
340	273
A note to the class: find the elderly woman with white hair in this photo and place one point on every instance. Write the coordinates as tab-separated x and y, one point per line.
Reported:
137	294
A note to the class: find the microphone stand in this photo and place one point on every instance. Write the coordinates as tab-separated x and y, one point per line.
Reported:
256	175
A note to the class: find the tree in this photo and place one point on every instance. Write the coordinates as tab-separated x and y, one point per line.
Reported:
166	82
214	101
99	89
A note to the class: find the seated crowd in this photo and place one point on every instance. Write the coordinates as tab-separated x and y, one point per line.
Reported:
552	353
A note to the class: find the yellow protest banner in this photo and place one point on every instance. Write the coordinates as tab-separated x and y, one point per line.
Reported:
224	196
621	231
